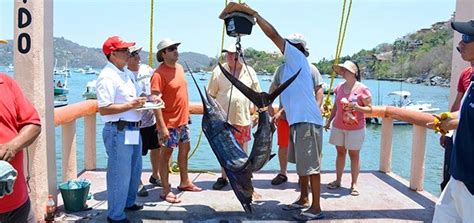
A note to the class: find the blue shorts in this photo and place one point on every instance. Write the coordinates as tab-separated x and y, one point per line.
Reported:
177	135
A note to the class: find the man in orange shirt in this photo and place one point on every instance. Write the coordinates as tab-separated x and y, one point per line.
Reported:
169	81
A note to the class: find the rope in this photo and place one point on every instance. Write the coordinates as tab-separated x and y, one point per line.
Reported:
222	38
150	51
327	106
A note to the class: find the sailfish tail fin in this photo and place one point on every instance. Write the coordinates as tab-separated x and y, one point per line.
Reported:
260	99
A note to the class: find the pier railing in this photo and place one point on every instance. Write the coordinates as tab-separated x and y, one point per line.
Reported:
66	118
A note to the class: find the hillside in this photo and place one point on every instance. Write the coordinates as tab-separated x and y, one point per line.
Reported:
416	57
78	56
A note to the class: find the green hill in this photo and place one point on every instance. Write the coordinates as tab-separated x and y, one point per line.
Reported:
78	56
423	54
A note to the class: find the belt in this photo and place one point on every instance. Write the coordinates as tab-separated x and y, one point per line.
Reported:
121	124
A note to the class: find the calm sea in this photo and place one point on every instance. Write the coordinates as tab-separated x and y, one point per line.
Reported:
204	158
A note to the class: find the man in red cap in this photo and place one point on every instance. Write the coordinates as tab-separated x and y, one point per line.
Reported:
118	100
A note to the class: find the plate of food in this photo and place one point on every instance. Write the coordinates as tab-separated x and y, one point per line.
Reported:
151	106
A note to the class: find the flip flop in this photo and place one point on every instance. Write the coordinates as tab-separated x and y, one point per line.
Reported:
192	188
307	216
334	185
170	198
295	206
355	191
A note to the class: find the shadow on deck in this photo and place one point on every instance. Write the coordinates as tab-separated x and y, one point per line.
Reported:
383	198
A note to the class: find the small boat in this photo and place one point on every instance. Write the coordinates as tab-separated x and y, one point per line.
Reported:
60	101
325	87
89	70
267	79
401	99
90	92
10	68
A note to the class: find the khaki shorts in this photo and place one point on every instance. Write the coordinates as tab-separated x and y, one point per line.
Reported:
350	139
305	148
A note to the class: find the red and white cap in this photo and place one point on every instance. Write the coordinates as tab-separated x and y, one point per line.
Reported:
114	43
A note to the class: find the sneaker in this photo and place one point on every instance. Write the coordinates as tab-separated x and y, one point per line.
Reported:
155	182
134	207
142	192
279	179
220	183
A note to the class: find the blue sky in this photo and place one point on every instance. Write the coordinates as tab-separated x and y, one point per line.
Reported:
195	23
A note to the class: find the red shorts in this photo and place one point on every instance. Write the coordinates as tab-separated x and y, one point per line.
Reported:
244	135
283	133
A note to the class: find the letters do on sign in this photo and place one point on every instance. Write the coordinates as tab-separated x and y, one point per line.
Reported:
24	39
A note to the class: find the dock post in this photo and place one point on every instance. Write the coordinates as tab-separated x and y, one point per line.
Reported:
386	145
418	158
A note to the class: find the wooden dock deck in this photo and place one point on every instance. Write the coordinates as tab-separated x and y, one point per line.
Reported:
383	198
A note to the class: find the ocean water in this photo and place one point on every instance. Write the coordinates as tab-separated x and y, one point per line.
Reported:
204	158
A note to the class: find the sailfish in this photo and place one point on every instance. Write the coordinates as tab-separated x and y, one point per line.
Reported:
236	163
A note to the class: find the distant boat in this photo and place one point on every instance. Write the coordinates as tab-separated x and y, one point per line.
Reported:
89	70
60	101
401	99
10	68
90	92
325	87
203	78
267	79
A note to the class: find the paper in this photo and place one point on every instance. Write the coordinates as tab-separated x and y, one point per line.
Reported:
132	137
151	105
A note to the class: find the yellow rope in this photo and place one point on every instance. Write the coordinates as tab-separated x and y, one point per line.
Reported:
327	106
174	167
150	53
222	37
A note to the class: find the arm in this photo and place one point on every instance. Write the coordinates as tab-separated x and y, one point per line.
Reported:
331	117
367	108
319	92
119	108
457	102
271	32
271	112
25	137
161	126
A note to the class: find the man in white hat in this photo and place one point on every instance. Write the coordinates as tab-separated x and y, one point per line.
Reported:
20	125
283	129
238	106
303	115
169	81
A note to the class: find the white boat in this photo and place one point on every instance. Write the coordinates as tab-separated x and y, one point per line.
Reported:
60	101
89	70
90	92
10	68
402	99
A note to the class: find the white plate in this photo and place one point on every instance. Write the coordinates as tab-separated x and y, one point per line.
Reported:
150	105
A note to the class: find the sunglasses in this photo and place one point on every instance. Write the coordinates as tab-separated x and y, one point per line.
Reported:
134	54
171	48
467	38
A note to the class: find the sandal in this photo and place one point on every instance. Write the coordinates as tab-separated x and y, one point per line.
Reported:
334	185
295	206
308	216
170	198
355	191
279	179
192	188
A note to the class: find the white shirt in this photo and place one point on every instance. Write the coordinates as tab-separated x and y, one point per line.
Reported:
298	99
116	87
143	77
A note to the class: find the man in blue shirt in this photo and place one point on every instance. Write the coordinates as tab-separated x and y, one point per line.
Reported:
303	115
456	203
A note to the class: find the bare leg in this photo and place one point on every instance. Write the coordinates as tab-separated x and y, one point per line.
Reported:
155	155
316	191
304	195
183	163
340	162
355	167
283	159
163	168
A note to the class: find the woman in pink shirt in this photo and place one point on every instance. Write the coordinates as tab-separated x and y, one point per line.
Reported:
353	99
